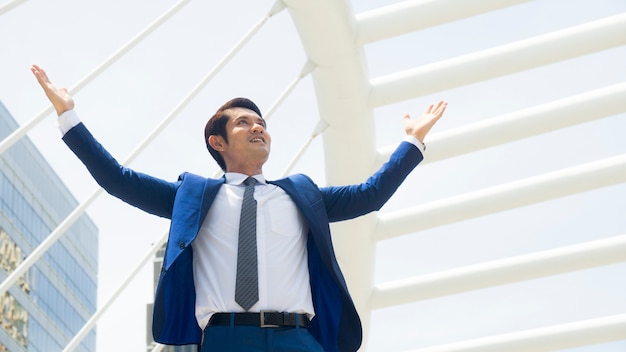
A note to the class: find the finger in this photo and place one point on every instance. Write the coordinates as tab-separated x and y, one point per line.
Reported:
437	106
442	107
44	75
40	74
37	70
407	119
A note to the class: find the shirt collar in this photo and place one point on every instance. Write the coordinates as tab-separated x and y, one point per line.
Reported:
235	178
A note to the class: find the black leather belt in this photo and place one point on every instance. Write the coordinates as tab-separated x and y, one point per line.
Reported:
265	319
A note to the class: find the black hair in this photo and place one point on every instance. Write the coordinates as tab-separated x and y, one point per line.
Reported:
216	126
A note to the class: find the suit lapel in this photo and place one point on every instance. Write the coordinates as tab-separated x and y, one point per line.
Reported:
305	194
211	187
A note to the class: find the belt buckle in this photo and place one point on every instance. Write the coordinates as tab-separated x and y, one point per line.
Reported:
263	324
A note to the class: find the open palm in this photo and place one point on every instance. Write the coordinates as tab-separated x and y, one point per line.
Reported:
60	98
421	126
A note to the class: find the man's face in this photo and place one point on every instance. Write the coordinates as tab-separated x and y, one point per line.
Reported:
248	141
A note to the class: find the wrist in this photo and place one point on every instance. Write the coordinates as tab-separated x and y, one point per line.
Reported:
422	143
416	142
67	120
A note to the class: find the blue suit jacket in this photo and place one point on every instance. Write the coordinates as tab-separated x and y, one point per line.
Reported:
336	324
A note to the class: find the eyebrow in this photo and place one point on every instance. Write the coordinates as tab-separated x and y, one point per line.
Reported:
259	119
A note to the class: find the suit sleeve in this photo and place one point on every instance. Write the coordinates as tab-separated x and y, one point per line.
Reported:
148	193
347	202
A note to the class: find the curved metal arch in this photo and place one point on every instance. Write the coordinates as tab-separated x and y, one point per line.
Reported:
332	37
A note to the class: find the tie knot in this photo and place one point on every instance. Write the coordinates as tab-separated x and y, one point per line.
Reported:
250	181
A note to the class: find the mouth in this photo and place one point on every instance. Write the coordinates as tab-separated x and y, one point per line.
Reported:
257	140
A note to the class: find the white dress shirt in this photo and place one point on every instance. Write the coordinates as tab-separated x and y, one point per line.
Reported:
281	250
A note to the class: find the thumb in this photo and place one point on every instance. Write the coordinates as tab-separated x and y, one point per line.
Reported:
407	118
408	128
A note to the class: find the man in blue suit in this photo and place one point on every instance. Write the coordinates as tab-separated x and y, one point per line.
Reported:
300	298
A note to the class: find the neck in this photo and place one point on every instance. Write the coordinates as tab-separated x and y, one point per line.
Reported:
249	170
248	166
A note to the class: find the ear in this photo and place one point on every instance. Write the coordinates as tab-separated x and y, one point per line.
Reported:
217	143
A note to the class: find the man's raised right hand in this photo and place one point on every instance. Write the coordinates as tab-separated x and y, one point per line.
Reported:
60	98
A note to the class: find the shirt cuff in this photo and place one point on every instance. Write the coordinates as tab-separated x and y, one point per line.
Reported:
416	142
67	121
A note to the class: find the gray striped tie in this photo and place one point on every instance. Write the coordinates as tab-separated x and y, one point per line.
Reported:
247	284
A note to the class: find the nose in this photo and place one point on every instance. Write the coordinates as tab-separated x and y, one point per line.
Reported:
257	128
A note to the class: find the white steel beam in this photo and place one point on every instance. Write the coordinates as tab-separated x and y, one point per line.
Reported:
500	272
602	173
414	15
9	5
158	347
20	132
327	32
341	86
500	61
521	124
552	338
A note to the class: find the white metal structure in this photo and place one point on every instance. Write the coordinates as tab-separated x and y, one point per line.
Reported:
334	40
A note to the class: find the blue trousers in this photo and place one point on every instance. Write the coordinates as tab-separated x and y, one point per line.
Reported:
253	339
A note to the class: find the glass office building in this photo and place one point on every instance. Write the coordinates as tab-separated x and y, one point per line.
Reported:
51	302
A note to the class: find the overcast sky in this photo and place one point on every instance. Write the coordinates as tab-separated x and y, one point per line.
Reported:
70	38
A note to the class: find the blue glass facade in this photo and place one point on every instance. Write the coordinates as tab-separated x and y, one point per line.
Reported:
45	309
